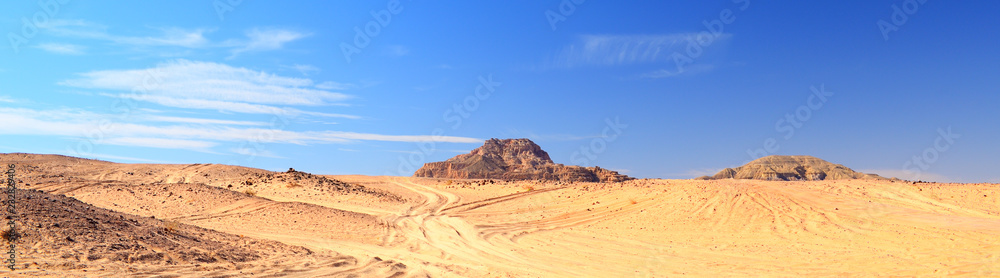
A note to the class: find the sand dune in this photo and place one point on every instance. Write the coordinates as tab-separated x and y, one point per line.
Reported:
418	227
70	238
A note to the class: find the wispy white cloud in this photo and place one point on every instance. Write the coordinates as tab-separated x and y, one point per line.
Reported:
676	71
201	121
162	143
7	99
206	85
252	152
170	36
305	70
64	122
228	106
256	39
294	112
78	124
267	39
330	85
397	50
150	110
61	48
75	28
611	50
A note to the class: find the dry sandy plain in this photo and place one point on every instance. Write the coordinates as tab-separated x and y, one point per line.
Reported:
204	220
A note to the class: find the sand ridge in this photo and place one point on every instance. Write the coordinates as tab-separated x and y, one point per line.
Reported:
428	227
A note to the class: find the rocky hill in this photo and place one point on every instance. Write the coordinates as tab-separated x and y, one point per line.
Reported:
791	168
513	159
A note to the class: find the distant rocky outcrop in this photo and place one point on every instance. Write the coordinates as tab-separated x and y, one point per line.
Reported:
790	168
513	159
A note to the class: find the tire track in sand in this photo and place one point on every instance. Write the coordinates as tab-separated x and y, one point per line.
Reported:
429	226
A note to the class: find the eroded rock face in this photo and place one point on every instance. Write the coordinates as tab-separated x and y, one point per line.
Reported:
513	159
791	168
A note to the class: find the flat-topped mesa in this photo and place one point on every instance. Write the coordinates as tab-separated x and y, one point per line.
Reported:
790	168
513	159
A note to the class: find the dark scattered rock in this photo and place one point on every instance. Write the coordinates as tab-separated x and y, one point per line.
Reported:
71	226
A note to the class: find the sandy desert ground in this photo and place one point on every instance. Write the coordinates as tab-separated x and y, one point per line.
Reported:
204	220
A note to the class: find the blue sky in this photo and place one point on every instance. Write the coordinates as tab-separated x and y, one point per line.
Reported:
650	88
